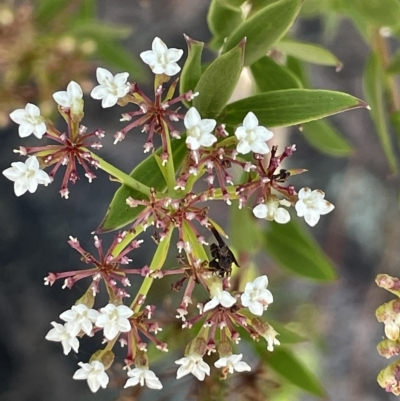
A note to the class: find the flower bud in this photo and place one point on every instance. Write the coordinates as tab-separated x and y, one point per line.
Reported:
388	378
104	356
388	348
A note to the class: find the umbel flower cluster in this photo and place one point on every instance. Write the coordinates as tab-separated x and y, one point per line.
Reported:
389	315
237	165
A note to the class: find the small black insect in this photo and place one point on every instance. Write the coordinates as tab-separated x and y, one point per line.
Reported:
222	257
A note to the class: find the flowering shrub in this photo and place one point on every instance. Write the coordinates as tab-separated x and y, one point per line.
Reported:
231	147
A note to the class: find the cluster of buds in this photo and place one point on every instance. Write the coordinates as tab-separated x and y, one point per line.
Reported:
211	151
389	315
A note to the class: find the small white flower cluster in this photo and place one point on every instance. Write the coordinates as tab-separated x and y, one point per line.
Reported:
251	136
310	204
112	319
195	365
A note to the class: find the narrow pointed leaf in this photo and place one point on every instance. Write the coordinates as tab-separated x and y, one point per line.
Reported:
218	82
290	107
286	335
323	137
119	214
191	71
269	76
374	92
294	249
222	19
264	28
288	366
309	52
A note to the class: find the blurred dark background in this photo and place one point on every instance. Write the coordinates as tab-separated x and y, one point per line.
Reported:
361	235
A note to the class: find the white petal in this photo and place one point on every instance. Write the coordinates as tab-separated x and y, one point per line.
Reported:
261	282
109	101
103	76
260	211
260	147
192	143
18	116
250	122
74	90
243	147
192	118
173	55
207	140
211	304
62	98
311	218
282	216
256	308
171	69
148	57
158	46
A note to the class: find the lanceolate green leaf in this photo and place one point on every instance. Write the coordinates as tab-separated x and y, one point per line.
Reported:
323	137
287	365
191	71
218	82
264	28
290	107
119	214
394	66
309	52
222	19
293	248
373	88
269	76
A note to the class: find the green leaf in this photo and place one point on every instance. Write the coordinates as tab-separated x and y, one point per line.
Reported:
245	233
269	76
222	19
286	335
191	71
264	28
87	10
293	248
47	10
118	57
309	52
119	214
288	366
374	93
290	107
379	12
323	137
218	82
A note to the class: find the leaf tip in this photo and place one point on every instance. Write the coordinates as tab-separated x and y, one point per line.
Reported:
339	66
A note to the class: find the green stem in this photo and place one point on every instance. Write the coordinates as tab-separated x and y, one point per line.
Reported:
157	263
169	166
121	176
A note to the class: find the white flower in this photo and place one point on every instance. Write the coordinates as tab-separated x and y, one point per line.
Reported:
26	176
94	373
312	205
233	363
256	297
111	87
114	319
252	137
271	210
219	297
198	131
61	334
30	121
161	59
72	98
193	364
143	376
78	318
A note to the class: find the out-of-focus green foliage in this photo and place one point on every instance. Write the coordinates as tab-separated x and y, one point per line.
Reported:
44	44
